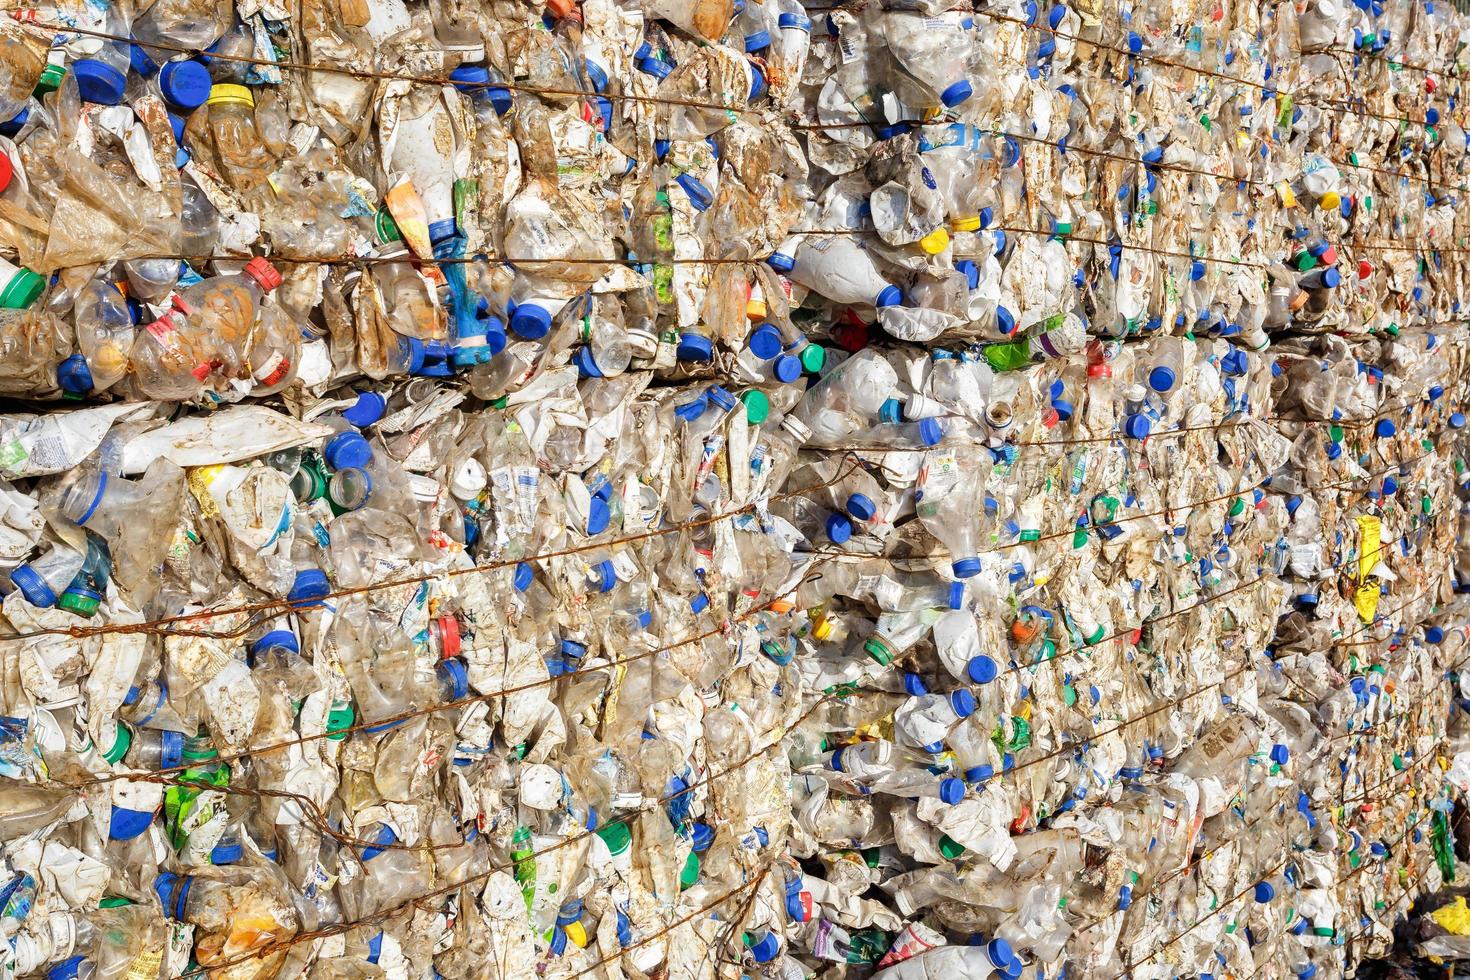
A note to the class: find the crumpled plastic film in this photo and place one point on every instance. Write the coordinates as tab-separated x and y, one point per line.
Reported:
706	489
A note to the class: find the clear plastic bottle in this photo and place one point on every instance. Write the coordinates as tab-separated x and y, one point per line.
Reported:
44	580
948	501
103	76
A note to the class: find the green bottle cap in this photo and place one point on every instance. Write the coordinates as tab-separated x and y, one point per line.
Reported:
878	650
114	902
617	837
21	291
690	874
339	719
85	604
385	227
50	79
1031	535
950	847
757	406
813	357
1236	506
120	744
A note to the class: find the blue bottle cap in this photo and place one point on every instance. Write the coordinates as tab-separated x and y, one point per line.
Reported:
767	948
1005	320
368	409
140	61
764	341
787	368
889	296
1331	278
839	528
347	450
1435	392
931	432
1196	270
702	837
965	567
956	595
598	516
604	575
1434	635
756	41
596	74
1334	450
172	891
586	366
442	230
689	411
98	82
781	262
74	376
33	587
1137	426
472	79
721	398
952	790
699	195
699	603
860	507
524	576
572	650
569	912
1264	892
1162	379
227	851
184	84
1000	953
501	99
658	69
1457	420
531	321
1135	43
979	774
309	588
962	702
625	928
284	639
1125	897
127	824
14	124
957	93
1310	970
1390	486
799	22
913	685
170	750
890	411
695	347
981	669
66	969
1385	429
454	679
380	842
1280	754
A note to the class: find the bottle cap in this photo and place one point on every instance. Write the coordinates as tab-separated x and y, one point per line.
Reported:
935	242
966	567
1137	426
1005	321
962	702
695	347
98	82
787	369
309	588
981	669
1385	429
121	742
33	587
50	80
956	93
173	892
7	170
531	321
1161	379
264	274
22	290
126	824
1264	892
617	837
781	262
454	679
699	195
73	375
381	840
839	528
764	949
757	406
185	85
1434	635
756	41
764	341
347	449
889	296
813	358
599	516
878	650
284	639
931	431
952	790
226	94
227	851
861	507
524	576
798	22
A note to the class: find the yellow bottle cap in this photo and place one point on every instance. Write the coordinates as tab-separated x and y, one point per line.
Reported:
971	223
576	934
230	95
935	242
755	309
823	629
1330	201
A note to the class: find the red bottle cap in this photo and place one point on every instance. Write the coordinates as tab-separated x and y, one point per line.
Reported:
263	273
